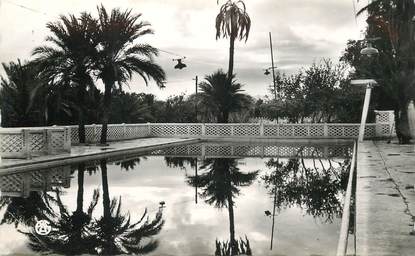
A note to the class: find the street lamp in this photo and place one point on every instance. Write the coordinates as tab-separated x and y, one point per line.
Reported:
180	64
369	50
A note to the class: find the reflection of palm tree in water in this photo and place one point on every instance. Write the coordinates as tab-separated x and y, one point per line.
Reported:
113	233
71	232
116	234
219	180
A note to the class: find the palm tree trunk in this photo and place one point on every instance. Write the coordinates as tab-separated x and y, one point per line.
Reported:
402	124
105	112
231	56
233	245
105	190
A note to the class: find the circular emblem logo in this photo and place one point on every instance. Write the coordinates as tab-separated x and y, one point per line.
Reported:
43	227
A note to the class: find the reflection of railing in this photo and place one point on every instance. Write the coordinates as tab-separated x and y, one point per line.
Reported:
212	150
28	142
21	184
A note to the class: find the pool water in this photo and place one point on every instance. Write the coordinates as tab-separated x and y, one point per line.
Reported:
202	199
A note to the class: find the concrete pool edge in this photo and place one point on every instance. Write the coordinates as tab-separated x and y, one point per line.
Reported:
384	207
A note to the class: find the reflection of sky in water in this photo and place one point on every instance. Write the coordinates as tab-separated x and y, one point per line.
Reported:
191	229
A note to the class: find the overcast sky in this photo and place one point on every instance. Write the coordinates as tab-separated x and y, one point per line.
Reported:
303	31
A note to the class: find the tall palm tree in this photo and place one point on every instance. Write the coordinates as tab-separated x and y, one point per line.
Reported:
116	233
220	181
392	20
19	95
119	56
222	95
67	60
233	22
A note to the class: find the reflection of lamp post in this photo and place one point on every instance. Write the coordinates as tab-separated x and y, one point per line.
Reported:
268	214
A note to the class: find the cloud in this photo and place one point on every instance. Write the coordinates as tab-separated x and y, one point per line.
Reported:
303	31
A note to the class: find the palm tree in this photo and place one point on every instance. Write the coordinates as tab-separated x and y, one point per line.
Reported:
116	233
222	95
392	20
232	22
19	95
219	182
71	232
119	57
68	59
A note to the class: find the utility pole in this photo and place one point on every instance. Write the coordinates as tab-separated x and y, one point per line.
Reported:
196	85
273	67
273	71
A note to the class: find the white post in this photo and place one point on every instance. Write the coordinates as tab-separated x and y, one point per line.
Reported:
365	111
203	129
261	128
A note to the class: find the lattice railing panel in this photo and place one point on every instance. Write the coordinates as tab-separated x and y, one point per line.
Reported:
351	131
115	133
301	131
339	151
11	143
286	130
271	130
57	140
136	131
370	131
219	130
162	130
11	183
336	131
247	150
218	150
37	142
74	135
385	116
316	131
246	130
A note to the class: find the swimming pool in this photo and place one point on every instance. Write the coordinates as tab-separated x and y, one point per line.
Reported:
199	199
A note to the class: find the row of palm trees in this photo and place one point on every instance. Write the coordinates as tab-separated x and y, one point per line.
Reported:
81	50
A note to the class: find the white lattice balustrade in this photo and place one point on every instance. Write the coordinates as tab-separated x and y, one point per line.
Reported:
28	142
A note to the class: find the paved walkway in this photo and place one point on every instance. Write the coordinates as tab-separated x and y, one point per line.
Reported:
385	199
82	153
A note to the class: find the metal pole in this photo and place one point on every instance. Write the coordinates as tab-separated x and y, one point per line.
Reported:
273	215
196	182
272	65
365	111
273	70
196	99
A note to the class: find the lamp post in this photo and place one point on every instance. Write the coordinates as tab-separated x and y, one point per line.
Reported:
369	83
